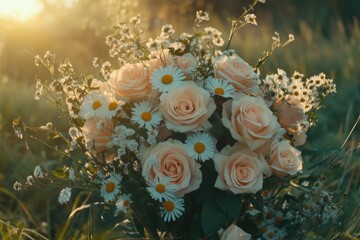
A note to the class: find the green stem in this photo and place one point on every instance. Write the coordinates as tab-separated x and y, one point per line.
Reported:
236	24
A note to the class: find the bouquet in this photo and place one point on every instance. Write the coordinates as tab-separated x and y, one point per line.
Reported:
180	138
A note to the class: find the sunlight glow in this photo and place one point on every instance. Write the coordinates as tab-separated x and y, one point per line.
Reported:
20	10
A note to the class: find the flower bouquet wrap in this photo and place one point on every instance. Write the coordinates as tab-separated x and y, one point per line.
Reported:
180	138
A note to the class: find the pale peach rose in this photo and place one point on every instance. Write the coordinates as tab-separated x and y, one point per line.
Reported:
187	108
161	58
285	159
131	82
289	113
240	169
100	135
187	63
250	121
299	139
100	85
234	232
238	72
170	159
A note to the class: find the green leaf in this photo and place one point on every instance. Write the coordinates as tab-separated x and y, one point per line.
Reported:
229	202
257	201
60	173
212	217
196	231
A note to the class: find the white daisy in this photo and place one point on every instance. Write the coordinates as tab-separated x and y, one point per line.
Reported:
166	78
160	189
113	106
123	203
64	195
172	209
94	104
110	187
200	146
219	87
152	136
143	115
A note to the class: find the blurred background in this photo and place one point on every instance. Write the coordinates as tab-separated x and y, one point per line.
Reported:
327	39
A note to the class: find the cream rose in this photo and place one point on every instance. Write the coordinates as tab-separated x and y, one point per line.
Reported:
250	121
170	159
186	108
131	81
285	159
159	59
234	232
289	113
99	131
238	72
187	63
240	170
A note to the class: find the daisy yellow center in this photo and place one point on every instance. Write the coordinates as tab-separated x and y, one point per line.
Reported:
126	203
169	206
219	91
160	188
263	229
167	79
271	235
199	147
96	104
146	116
113	106
110	187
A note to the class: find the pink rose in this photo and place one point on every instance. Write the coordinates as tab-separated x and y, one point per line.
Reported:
289	113
238	72
240	170
285	159
131	82
100	131
233	232
250	121
187	108
170	159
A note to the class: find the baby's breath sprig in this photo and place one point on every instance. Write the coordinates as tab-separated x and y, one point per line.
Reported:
245	18
275	44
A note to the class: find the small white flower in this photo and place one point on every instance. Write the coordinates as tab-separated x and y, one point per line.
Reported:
132	145
152	136
202	16
166	78
110	187
17	186
64	195
262	1
143	115
71	174
219	87
160	189
123	203
38	172
250	18
30	180
200	146
172	209
74	132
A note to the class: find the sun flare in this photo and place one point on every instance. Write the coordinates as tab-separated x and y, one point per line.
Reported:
20	10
